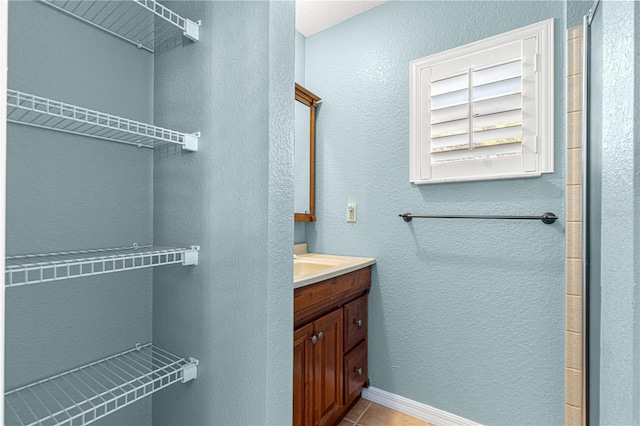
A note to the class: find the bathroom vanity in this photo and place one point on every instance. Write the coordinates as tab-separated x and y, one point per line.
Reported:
330	336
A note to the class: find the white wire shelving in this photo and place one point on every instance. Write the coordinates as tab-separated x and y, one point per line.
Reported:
145	23
88	393
39	268
31	110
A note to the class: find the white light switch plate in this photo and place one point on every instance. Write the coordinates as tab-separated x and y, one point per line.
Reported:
351	211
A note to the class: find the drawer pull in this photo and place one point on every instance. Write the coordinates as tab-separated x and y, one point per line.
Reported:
320	336
314	339
359	322
358	370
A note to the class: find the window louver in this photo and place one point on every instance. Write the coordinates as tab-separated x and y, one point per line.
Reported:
478	114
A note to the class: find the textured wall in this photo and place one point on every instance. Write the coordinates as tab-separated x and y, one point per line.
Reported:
465	316
234	199
619	339
576	10
278	321
300	58
67	192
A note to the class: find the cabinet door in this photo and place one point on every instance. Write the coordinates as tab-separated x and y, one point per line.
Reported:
302	376
327	364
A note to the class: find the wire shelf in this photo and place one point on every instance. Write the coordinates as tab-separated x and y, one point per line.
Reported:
145	23
31	110
39	268
86	394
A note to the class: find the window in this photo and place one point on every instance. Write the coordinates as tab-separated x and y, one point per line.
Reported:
484	110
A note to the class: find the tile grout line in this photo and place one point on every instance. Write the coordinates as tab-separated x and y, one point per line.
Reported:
362	414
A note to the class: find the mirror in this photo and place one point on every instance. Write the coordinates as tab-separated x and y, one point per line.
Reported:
305	155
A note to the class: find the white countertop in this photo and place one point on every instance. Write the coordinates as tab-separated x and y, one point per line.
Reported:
316	267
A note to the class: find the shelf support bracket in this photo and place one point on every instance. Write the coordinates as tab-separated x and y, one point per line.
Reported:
192	29
190	371
191	142
191	256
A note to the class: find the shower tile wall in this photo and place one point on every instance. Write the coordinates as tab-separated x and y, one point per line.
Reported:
574	395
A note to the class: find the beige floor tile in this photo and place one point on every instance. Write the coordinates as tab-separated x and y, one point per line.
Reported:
345	422
357	410
377	415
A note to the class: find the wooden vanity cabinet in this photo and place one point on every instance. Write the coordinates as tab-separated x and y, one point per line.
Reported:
330	347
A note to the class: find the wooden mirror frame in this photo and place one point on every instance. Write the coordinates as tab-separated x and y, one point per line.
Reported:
310	100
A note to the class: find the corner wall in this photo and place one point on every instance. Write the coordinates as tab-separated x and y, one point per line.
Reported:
620	297
234	198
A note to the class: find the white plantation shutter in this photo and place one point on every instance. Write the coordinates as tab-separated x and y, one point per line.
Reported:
476	111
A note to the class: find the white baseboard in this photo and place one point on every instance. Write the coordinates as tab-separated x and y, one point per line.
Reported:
415	409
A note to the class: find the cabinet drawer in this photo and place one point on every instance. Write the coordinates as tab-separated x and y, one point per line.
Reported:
355	372
355	322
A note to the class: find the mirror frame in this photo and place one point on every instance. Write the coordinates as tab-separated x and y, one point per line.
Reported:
311	100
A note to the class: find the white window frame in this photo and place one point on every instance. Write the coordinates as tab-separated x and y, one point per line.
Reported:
541	108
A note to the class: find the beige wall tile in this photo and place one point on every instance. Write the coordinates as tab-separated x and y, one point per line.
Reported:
574	129
572	416
573	387
574	56
573	269
574	32
574	203
574	93
574	167
574	240
573	350
573	313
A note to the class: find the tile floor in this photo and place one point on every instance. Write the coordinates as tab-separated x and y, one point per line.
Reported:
367	413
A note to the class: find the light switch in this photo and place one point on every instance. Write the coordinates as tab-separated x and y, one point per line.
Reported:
351	211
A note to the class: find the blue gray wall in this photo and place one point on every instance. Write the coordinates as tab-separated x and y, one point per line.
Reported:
465	316
234	198
619	369
67	192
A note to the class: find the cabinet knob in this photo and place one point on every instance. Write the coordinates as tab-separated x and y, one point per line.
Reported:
314	339
358	370
320	336
359	322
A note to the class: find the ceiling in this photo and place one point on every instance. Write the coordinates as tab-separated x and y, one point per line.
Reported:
313	16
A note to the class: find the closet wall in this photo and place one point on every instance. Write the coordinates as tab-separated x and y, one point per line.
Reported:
68	192
234	198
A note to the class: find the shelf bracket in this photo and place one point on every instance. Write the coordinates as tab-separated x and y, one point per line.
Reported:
191	142
191	256
190	371
192	29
